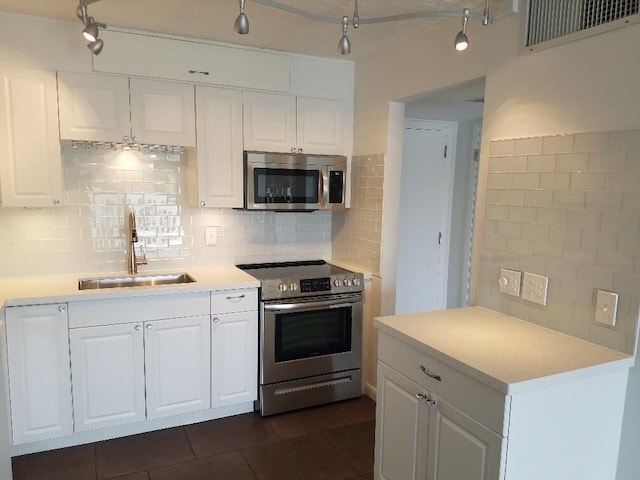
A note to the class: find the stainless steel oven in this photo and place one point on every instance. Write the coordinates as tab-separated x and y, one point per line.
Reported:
310	335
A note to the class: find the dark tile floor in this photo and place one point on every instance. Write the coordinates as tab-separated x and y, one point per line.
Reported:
330	442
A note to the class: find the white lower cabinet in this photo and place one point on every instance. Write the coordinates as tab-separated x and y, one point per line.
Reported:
114	366
234	358
39	372
107	365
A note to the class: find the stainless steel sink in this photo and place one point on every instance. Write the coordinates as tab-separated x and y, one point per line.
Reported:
134	281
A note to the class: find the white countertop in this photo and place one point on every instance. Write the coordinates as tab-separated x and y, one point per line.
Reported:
17	291
506	353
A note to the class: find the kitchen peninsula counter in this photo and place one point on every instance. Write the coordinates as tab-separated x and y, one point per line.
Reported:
18	291
505	353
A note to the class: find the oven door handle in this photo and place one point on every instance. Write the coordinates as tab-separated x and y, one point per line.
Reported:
307	305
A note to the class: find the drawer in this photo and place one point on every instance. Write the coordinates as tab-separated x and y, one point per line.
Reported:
91	313
229	301
477	400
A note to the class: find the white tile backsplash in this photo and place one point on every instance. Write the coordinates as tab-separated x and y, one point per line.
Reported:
584	236
86	235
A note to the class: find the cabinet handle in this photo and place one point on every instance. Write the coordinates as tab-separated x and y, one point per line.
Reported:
300	150
199	72
421	397
235	297
136	139
149	326
428	373
125	138
203	203
216	319
62	308
293	149
56	202
138	328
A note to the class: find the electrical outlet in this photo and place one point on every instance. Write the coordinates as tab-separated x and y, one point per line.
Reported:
534	288
211	235
509	282
606	306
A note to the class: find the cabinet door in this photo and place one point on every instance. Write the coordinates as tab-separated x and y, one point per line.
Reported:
460	447
321	126
162	113
94	107
178	365
269	122
219	165
234	358
402	427
30	161
107	366
39	372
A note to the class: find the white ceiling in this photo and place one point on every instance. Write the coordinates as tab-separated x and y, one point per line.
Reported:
269	27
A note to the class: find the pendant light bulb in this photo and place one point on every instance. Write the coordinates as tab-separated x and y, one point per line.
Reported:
96	46
241	24
90	32
344	45
462	41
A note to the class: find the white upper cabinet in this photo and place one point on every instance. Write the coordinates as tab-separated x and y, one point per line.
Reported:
94	107
269	122
215	168
115	109
283	123
30	161
162	113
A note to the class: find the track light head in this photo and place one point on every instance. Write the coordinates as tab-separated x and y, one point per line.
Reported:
96	46
462	41
241	24
344	45
90	32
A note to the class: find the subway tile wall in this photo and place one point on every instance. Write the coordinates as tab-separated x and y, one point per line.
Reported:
567	207
87	234
357	232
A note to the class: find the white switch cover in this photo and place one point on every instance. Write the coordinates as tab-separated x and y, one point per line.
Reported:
606	307
534	288
509	282
211	235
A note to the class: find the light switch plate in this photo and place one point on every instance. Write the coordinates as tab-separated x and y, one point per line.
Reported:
509	282
534	288
606	308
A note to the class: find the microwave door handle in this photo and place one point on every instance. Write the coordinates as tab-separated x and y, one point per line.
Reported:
324	188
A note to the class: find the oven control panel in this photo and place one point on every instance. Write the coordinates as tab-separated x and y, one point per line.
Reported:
295	287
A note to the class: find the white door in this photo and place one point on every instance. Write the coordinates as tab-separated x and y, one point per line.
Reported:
219	148
460	447
94	107
402	427
234	358
178	365
107	366
162	113
269	122
39	372
425	217
5	422
30	161
321	126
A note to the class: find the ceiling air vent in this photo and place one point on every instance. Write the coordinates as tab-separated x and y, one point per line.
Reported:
554	19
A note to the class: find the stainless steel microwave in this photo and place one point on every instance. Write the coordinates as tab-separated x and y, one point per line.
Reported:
294	181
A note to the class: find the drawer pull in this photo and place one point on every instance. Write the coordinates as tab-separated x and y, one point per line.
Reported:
235	297
428	373
421	397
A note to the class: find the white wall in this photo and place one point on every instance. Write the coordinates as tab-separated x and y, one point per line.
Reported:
587	86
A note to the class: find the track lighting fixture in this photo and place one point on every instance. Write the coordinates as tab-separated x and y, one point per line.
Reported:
91	28
462	42
344	45
241	24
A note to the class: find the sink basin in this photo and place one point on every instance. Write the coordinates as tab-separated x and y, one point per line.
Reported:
134	281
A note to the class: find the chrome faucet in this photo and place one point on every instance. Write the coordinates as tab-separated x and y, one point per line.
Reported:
132	259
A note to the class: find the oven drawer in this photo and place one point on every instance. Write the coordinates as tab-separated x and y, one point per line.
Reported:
467	394
229	301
